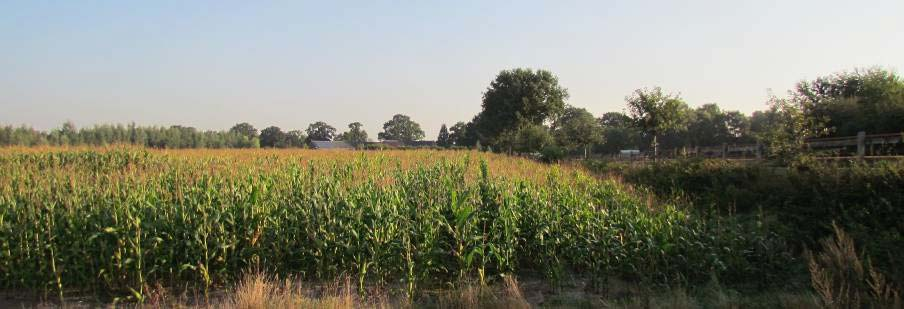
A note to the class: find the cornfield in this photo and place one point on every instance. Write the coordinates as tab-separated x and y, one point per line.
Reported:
118	220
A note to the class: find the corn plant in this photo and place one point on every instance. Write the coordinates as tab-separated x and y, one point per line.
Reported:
118	220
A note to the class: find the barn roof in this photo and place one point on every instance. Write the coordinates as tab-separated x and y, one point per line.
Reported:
393	143
330	145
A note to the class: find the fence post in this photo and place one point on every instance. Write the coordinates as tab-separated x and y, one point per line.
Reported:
861	144
724	150
759	150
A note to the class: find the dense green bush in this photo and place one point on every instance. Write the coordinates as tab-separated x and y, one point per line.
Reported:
552	154
865	199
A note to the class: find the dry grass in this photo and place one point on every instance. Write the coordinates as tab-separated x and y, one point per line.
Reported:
507	295
842	280
257	290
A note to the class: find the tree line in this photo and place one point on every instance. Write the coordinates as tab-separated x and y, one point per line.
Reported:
241	135
526	111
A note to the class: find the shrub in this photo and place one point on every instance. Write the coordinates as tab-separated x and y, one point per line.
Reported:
552	153
864	199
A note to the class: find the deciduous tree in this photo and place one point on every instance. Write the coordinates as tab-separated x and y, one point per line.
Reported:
517	98
577	129
533	138
295	138
355	136
320	131
655	113
443	139
619	133
401	128
245	129
273	137
845	103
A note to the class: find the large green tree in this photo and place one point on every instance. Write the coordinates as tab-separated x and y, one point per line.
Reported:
533	138
295	138
273	137
443	139
515	99
576	129
656	113
619	133
457	134
845	103
245	129
471	137
355	136
320	131
709	125
761	122
401	128
789	128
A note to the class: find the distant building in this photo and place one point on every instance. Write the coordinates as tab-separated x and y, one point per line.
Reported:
422	144
392	143
629	153
330	145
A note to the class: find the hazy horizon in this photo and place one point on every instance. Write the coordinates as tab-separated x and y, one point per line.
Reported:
213	64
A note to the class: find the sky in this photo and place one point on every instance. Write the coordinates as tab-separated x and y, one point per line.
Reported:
211	64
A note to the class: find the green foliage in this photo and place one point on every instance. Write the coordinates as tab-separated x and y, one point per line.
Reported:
25	136
273	137
355	136
173	137
761	122
618	132
122	220
552	153
533	138
444	139
845	103
790	127
296	139
401	128
245	129
861	198
576	129
457	134
842	104
320	131
709	125
517	98
656	113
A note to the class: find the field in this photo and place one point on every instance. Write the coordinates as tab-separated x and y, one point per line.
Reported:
120	222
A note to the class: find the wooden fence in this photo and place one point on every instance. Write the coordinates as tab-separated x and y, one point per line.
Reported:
861	145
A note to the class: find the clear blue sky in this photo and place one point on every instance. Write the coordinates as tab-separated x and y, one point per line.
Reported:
211	64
